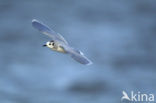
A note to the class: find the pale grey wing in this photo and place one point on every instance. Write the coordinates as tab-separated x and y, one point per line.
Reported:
47	31
81	58
62	38
78	56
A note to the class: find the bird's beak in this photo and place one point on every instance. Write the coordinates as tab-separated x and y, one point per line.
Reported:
44	45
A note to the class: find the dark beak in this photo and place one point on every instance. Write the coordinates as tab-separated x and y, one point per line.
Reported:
44	45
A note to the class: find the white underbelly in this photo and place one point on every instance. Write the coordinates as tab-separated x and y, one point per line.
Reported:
59	49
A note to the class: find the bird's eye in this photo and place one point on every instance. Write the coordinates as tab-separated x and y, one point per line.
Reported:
52	43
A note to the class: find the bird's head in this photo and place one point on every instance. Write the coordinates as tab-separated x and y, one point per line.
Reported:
49	44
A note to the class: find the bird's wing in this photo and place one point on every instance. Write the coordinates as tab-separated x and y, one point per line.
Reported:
47	31
78	56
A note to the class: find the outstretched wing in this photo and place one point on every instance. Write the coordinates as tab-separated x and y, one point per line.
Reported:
78	56
47	31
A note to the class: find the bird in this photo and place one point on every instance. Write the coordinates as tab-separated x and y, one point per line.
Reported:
59	44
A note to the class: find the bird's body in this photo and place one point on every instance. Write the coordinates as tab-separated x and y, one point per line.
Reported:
59	44
57	47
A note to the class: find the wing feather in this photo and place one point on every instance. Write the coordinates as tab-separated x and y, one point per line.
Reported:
47	31
78	56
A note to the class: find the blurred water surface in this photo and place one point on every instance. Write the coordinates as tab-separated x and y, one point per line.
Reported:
118	36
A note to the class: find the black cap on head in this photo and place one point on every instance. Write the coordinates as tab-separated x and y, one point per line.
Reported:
52	41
